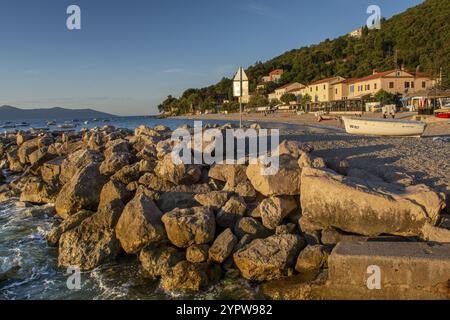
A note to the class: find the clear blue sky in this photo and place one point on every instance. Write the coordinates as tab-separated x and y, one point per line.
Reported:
131	54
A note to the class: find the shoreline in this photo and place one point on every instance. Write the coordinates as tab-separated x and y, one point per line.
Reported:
116	192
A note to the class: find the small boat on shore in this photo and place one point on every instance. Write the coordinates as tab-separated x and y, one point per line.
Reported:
384	127
443	113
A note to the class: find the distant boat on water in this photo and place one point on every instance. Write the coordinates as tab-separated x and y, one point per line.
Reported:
67	125
51	123
384	127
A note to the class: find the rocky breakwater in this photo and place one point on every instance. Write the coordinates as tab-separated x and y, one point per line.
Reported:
118	192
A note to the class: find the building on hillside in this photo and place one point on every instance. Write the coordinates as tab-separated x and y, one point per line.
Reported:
356	33
324	90
274	76
278	93
393	81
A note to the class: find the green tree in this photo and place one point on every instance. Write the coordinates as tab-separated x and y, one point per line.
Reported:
385	97
288	98
274	102
305	100
257	100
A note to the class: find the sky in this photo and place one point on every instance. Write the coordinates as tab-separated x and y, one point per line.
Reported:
130	54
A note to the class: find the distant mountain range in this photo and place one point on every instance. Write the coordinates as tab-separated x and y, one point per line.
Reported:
13	113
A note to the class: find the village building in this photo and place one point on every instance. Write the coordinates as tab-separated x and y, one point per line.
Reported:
274	76
278	93
324	90
392	81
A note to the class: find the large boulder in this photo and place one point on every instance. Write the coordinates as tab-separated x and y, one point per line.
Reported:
76	161
90	244
191	277
51	170
157	260
68	224
114	192
231	212
251	227
270	258
81	192
223	246
177	173
27	148
114	162
213	199
276	184
273	210
312	259
368	208
37	191
197	253
186	227
140	224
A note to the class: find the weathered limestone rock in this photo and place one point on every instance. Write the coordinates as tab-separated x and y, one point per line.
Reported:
14	164
270	258
332	236
244	189
306	160
41	211
81	192
312	259
37	191
213	199
409	270
197	253
186	227
188	276
21	137
27	148
51	170
288	228
273	210
177	173
68	224
251	227
157	260
88	245
365	207
127	174
113	192
229	173
77	161
223	246
140	224
114	163
276	184
231	212
117	146
169	201
293	148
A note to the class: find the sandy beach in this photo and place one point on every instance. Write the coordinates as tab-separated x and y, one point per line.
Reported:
411	160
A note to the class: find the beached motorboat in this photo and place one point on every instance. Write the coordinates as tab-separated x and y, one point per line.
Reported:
443	113
384	127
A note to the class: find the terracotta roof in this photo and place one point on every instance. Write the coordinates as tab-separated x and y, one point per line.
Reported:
297	87
377	75
331	79
276	72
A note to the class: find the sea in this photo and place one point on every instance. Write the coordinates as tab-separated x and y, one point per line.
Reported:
28	265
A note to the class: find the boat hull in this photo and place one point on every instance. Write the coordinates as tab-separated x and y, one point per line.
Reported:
381	127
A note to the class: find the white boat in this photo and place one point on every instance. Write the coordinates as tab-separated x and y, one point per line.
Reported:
384	127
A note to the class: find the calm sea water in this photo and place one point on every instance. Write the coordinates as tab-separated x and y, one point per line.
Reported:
24	249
